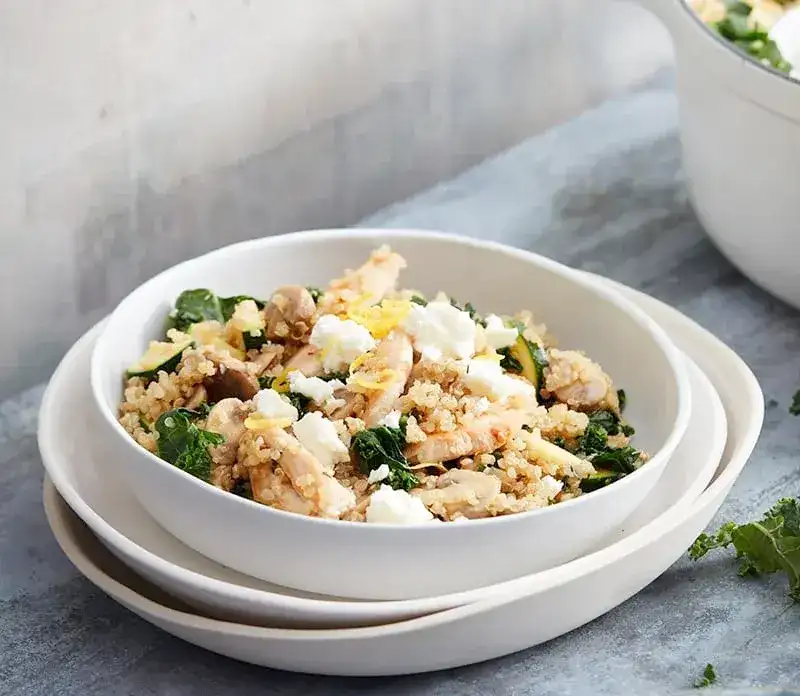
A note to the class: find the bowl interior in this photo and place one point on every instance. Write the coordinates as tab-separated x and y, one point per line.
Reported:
494	278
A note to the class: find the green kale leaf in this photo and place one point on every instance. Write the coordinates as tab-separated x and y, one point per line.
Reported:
794	409
763	547
384	445
184	445
316	294
709	677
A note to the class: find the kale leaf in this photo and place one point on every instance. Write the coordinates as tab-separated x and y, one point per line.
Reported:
330	376
766	546
194	306
622	397
181	443
315	293
418	299
709	677
622	460
794	409
754	40
384	445
508	362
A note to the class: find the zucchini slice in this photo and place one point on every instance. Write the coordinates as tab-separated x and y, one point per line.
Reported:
599	479
160	355
532	359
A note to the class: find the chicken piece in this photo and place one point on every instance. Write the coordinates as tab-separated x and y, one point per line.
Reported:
226	418
485	434
578	382
274	488
461	492
306	361
231	380
268	355
394	353
370	283
309	478
290	313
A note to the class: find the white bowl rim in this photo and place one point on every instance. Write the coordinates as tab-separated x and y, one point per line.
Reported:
659	336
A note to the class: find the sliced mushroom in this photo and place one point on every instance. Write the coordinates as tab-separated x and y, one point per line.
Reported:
226	418
461	492
231	380
290	313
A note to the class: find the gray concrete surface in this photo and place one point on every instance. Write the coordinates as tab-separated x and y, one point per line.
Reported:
603	193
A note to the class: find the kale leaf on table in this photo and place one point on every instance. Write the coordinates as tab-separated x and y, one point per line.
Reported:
709	677
763	547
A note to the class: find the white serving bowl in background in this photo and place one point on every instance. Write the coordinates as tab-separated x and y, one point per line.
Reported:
370	561
740	135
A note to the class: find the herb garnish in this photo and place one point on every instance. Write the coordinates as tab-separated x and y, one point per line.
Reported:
753	39
709	677
384	445
181	443
763	547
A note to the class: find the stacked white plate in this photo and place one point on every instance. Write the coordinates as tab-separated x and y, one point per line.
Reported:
114	542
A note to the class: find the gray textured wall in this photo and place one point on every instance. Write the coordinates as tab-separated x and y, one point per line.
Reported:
138	133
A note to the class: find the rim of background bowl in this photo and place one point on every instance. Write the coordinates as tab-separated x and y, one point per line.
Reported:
659	336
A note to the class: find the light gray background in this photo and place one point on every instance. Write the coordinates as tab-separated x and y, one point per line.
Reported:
137	133
604	193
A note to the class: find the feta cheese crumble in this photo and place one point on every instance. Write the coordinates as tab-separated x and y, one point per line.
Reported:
391	419
486	378
272	405
497	335
340	341
439	330
550	487
316	389
390	506
318	435
379	474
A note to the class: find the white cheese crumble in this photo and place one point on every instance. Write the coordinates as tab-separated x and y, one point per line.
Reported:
336	498
439	330
390	506
391	419
316	389
497	335
486	378
340	341
272	405
318	435
379	474
550	487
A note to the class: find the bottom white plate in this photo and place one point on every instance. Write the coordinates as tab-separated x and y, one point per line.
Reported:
79	464
530	611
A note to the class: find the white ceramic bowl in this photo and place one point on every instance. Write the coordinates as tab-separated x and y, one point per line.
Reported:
740	133
369	561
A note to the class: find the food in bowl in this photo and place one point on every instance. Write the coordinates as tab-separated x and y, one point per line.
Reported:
766	30
362	402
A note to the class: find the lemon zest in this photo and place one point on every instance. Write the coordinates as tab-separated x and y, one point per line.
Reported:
258	421
281	383
378	381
